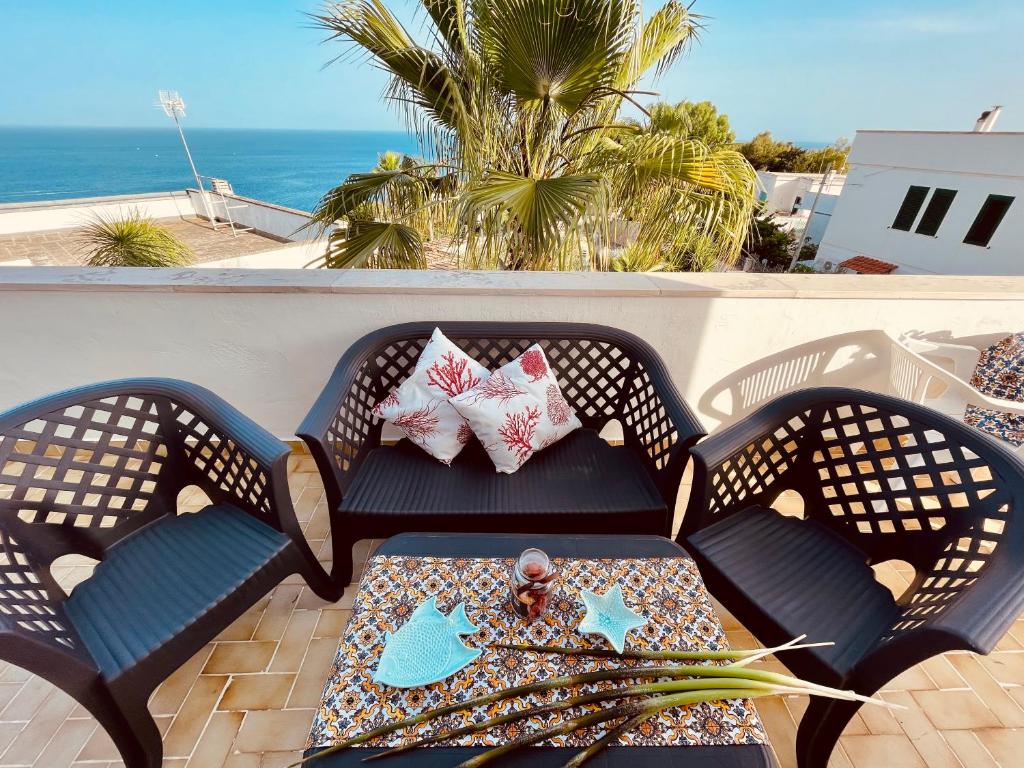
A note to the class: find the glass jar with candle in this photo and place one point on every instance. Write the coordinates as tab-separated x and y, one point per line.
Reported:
533	580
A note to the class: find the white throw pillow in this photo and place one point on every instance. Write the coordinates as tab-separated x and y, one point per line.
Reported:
419	405
518	410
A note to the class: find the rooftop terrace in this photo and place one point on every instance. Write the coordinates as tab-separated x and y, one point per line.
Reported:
61	247
731	341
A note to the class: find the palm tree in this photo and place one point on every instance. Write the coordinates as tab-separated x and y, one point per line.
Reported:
132	241
517	103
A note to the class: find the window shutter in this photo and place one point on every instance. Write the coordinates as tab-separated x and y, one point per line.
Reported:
933	215
909	209
988	220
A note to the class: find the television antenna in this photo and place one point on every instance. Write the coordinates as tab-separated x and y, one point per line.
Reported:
174	107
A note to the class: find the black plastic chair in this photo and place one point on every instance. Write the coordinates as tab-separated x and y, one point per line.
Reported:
881	479
97	471
581	484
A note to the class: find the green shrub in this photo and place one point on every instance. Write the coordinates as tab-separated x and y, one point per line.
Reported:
132	241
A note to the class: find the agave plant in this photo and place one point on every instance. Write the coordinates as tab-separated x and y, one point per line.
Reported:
131	241
517	103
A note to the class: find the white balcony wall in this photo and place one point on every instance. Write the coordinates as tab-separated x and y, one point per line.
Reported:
267	340
270	219
67	214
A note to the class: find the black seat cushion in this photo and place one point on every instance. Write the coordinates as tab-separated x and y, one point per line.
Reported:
581	484
797	577
156	583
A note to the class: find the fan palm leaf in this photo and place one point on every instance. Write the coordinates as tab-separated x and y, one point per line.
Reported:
517	106
537	212
380	244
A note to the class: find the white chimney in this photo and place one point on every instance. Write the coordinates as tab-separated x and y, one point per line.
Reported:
987	121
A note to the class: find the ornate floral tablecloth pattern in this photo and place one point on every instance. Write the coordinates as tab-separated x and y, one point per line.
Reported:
668	591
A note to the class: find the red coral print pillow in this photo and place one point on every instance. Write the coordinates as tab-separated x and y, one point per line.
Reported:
518	411
533	364
419	406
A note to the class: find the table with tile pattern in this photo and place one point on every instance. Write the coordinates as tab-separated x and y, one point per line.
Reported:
666	588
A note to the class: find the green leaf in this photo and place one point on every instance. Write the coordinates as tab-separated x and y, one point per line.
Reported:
662	40
542	210
131	241
380	244
555	51
419	76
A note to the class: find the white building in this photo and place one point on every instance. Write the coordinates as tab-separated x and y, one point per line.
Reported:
931	202
790	197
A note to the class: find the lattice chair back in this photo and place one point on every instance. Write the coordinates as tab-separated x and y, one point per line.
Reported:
69	476
905	488
84	467
604	373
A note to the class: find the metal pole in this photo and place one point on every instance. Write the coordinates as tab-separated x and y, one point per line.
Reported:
195	173
814	206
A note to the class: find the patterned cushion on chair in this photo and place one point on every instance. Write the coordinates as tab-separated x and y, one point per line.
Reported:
1000	373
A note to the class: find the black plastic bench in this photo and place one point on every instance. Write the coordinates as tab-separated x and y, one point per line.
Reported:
97	471
881	479
582	484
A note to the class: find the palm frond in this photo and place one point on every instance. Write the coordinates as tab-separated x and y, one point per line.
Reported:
534	214
662	40
380	244
419	76
554	51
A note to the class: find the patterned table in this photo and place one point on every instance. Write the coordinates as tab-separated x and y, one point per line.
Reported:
653	573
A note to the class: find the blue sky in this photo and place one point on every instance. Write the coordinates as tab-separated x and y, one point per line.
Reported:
806	71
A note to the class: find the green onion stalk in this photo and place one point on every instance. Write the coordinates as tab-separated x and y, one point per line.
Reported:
739	657
681	684
672	686
642	710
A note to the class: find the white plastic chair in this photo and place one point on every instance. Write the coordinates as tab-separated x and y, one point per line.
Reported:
915	374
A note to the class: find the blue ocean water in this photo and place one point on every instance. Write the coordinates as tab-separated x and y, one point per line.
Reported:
291	168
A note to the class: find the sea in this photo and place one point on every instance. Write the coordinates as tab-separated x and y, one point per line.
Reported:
292	168
287	167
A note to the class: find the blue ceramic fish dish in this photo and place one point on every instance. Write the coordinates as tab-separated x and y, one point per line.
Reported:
426	649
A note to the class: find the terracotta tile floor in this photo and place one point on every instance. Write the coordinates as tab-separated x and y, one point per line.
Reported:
247	699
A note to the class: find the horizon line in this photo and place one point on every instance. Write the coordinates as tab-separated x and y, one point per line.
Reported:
170	127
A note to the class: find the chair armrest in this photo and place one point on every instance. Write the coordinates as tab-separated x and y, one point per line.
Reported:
970	613
67	664
35	632
340	429
745	464
659	426
964	358
231	457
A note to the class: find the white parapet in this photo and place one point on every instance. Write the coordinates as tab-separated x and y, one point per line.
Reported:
267	340
43	215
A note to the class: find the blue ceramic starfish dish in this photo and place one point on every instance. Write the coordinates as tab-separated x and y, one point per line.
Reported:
608	616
